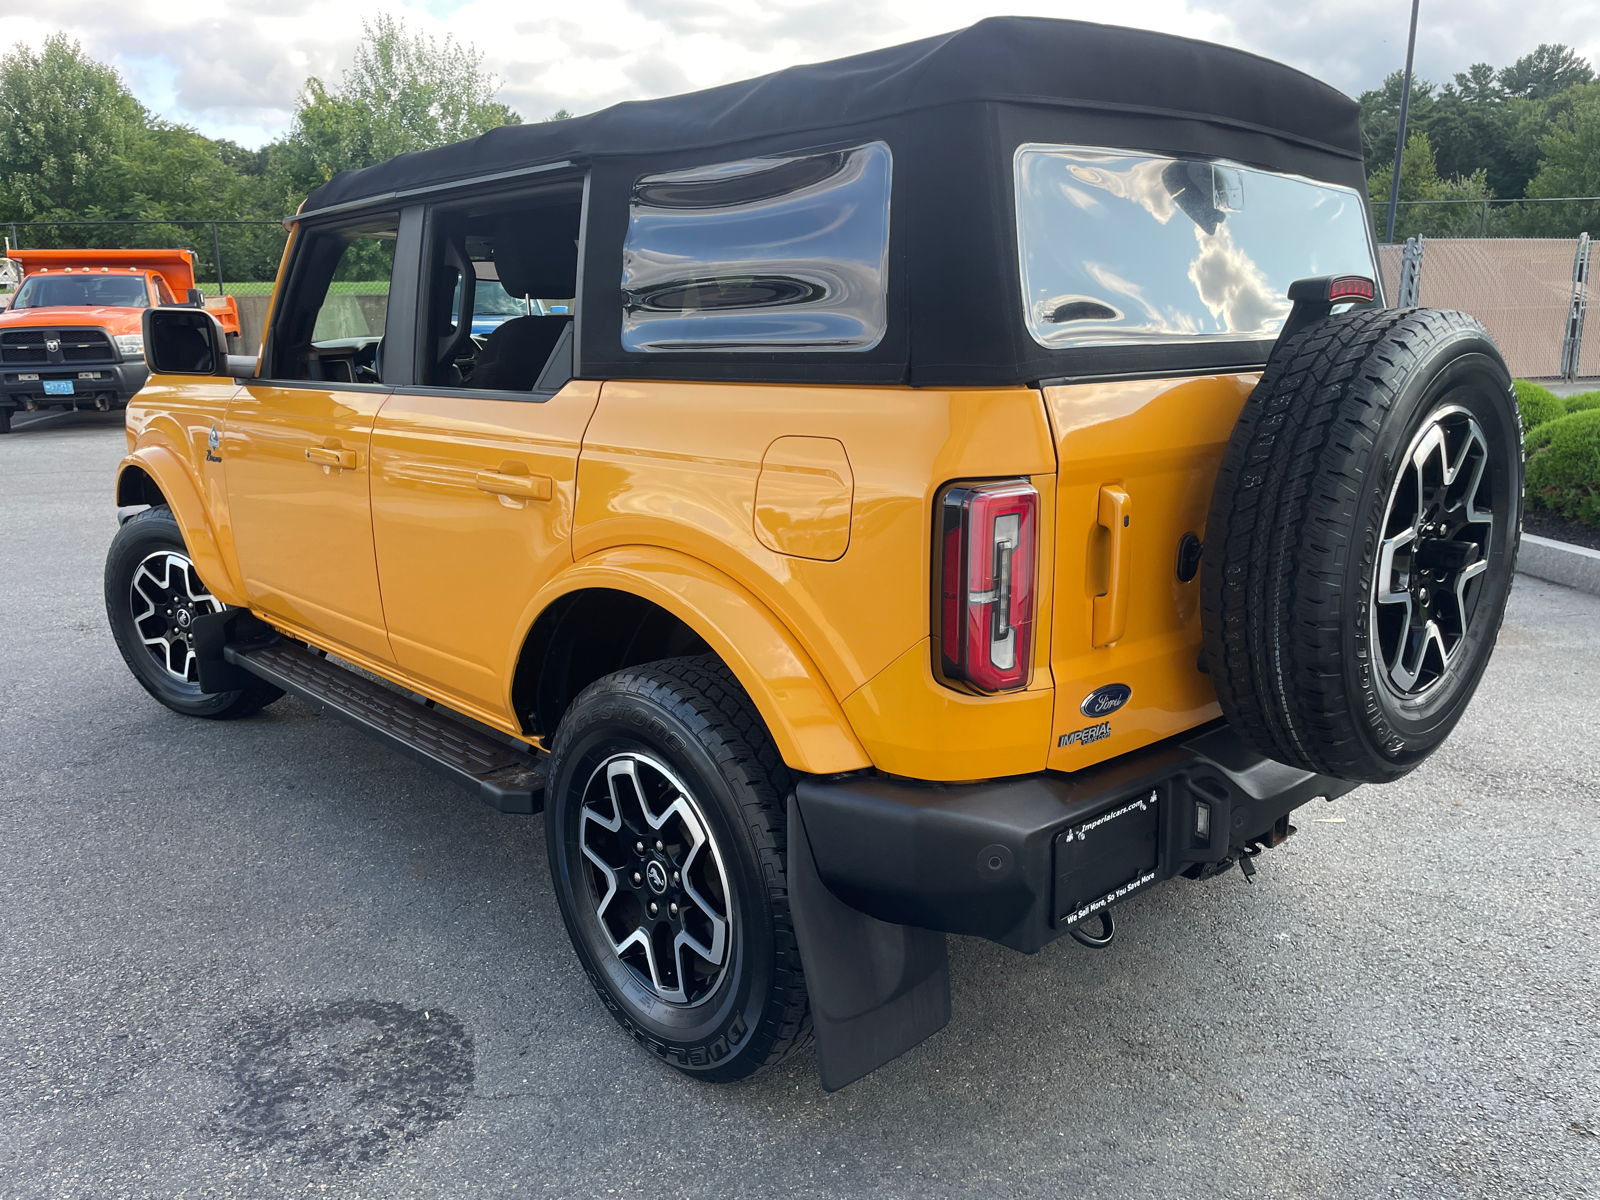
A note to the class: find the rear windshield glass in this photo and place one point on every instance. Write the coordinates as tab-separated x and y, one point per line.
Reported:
1119	248
82	291
762	254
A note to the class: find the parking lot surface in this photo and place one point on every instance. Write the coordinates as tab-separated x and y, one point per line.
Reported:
270	958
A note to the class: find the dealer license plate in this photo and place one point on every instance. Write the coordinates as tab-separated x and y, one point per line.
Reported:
58	387
1107	857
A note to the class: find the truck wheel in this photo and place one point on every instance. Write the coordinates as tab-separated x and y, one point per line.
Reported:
153	595
1361	541
665	826
5	420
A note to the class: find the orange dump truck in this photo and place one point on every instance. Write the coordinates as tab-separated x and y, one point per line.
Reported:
71	335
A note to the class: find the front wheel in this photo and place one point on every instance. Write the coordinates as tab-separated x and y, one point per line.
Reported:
153	596
664	821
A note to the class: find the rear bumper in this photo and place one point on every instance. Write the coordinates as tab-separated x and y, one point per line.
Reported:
981	859
117	384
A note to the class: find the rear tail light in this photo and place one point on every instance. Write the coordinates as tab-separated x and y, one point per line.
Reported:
988	558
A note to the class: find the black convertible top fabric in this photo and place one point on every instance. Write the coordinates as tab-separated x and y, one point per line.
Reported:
952	110
1034	61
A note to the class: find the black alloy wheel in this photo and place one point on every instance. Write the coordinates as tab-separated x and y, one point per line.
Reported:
1438	530
665	828
153	597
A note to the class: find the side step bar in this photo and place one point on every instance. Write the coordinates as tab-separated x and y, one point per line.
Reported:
502	777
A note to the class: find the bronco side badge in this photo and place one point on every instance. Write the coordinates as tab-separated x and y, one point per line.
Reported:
213	441
1105	699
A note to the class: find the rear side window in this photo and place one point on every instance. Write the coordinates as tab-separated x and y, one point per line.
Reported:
787	254
1118	247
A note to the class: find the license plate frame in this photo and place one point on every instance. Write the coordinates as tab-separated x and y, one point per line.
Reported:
1107	857
58	387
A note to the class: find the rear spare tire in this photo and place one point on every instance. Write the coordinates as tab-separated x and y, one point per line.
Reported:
1361	540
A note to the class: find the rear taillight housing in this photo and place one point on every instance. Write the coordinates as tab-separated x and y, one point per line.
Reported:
987	565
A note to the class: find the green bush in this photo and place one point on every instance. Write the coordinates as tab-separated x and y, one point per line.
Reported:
1564	466
1538	405
1582	403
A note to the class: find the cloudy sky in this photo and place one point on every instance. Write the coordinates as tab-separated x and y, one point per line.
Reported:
232	69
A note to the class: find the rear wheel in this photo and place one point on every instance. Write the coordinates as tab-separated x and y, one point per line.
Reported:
153	596
1361	541
665	825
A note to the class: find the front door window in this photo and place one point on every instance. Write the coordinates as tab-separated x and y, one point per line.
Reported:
298	448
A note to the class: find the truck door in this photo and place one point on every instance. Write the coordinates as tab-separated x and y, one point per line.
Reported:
298	441
474	469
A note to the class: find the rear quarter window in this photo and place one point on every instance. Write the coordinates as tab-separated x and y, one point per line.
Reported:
782	253
1118	247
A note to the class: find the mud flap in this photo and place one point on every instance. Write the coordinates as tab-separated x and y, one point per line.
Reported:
876	989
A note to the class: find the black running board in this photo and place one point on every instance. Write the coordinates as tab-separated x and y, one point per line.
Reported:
502	777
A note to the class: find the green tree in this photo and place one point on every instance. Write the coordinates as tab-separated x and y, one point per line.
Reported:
1420	179
404	92
1549	70
1570	151
1380	117
65	122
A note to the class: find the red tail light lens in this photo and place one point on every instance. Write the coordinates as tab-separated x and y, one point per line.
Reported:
988	559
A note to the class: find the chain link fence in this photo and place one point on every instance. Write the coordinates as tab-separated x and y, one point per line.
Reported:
1553	217
1522	289
235	258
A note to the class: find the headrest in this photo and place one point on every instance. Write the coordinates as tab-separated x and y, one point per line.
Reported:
536	254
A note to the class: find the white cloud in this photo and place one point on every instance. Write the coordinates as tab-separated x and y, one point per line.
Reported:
233	69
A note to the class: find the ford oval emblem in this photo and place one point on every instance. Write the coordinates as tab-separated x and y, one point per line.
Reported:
1105	700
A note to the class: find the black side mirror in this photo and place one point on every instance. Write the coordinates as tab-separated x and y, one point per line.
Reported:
197	298
182	341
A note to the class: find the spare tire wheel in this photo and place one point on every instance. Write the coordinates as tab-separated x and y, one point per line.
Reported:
1361	540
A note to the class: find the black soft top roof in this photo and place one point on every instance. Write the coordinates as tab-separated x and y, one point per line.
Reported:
1282	119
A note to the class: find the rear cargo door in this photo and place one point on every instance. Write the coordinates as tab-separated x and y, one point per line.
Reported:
1137	462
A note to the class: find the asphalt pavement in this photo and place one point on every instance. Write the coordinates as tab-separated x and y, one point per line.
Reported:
270	958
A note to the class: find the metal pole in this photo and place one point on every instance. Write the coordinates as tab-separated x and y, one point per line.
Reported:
1483	221
216	255
16	242
1572	344
1400	137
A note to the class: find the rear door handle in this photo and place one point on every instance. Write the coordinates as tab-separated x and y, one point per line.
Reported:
327	456
522	487
1111	606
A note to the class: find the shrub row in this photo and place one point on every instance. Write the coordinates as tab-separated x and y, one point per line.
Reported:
1562	442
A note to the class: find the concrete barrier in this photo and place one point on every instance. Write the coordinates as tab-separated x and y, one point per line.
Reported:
252	322
1560	562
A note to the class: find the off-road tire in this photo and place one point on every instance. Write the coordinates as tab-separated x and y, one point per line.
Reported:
5	420
1297	530
691	716
154	532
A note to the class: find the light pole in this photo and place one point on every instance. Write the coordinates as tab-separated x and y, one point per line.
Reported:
1400	137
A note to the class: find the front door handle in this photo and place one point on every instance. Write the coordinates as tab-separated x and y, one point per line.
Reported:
328	456
1111	606
521	487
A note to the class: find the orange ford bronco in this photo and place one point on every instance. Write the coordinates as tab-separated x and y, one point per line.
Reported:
72	336
946	490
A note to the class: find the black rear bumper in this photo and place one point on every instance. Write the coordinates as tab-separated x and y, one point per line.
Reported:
982	859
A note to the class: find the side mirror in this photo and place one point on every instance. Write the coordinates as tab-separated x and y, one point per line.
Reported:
197	298
184	341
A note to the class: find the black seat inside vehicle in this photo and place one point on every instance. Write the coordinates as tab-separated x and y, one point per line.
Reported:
535	255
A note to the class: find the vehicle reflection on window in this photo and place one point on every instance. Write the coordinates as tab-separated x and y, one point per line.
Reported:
1118	247
764	253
